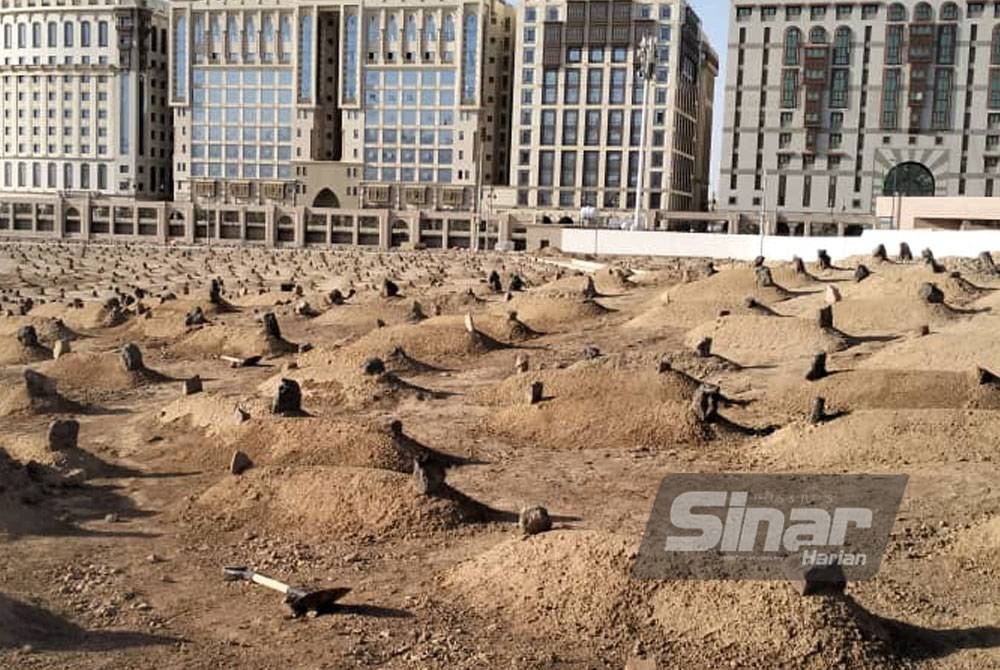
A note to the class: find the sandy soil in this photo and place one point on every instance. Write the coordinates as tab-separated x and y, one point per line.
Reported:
111	553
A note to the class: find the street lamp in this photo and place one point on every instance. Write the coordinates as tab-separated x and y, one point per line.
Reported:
645	68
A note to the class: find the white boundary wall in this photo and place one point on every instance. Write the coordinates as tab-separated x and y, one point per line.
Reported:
747	247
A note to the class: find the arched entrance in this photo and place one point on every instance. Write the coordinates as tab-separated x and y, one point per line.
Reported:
326	198
399	234
909	179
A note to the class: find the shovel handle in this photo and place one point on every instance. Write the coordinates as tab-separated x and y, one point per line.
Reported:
270	583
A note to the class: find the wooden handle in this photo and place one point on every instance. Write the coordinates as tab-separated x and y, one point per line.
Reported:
269	583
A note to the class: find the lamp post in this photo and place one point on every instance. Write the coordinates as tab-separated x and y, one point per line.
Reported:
645	68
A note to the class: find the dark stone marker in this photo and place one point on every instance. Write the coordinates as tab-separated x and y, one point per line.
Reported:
63	434
131	358
818	369
288	400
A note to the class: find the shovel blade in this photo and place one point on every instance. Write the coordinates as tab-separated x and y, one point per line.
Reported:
323	601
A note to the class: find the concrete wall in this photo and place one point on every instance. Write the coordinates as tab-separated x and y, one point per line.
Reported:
747	247
950	213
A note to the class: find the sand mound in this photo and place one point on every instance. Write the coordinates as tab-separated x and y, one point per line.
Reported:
212	413
19	492
314	441
693	303
761	340
766	624
884	316
14	400
13	352
239	341
98	372
653	409
553	314
883	389
49	329
959	347
360	317
435	340
331	501
883	438
92	316
576	582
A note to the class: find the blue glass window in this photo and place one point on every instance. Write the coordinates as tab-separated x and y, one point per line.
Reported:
351	59
180	58
470	46
306	59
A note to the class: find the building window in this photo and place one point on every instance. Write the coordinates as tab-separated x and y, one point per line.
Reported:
351	58
946	44
305	57
567	176
548	127
842	46
838	88
592	131
180	58
550	86
571	120
890	100
616	127
591	160
789	88
470	42
793	41
546	167
85	33
897	12
894	45
940	119
595	86
617	95
994	88
817	35
571	95
102	33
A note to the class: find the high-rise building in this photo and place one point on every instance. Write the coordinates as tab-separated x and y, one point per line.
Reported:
580	105
830	105
391	105
83	98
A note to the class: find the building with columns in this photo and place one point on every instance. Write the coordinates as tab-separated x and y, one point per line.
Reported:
83	98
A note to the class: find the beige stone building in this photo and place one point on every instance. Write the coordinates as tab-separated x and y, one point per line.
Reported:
288	112
580	105
83	98
832	105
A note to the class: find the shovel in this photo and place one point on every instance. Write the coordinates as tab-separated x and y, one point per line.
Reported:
300	601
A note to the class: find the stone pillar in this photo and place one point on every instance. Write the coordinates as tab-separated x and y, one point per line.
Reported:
84	208
58	224
300	227
384	234
270	227
243	224
355	229
161	222
444	233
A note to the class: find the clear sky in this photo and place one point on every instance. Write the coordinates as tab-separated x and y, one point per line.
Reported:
715	21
